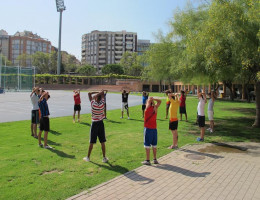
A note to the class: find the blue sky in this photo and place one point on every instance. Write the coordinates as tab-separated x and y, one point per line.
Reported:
82	16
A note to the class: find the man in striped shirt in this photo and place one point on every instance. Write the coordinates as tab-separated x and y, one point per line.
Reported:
97	127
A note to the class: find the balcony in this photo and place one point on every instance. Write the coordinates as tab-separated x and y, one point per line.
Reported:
118	57
102	61
129	38
118	52
102	56
119	42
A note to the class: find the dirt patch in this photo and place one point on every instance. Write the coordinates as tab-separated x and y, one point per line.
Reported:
51	172
223	148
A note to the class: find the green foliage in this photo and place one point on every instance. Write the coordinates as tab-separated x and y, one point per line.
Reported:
131	64
5	60
112	69
86	70
41	61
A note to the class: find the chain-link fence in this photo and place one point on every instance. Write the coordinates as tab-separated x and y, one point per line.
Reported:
16	78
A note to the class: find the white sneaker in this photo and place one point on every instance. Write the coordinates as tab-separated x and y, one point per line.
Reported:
208	129
121	117
128	118
48	147
86	159
105	160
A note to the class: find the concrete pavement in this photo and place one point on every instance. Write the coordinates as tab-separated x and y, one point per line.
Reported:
197	172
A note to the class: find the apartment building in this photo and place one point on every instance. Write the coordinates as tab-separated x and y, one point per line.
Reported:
142	46
4	43
104	47
26	43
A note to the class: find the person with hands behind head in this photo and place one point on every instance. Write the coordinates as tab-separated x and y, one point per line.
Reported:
97	129
35	111
77	102
44	121
201	115
150	129
173	122
145	96
105	100
125	103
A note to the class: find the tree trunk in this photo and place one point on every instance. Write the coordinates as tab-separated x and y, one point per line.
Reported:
229	85
160	86
257	101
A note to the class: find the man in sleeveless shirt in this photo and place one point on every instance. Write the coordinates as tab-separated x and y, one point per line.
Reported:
150	129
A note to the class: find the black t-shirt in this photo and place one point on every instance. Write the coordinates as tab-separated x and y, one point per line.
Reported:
124	97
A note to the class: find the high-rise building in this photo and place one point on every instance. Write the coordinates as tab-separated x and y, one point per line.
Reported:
4	43
104	47
27	43
142	46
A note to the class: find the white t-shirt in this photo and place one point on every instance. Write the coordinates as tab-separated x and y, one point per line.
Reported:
201	107
34	100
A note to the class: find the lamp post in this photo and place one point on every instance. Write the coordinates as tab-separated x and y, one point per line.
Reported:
60	8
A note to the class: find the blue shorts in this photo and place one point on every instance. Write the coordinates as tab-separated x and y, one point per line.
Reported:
150	137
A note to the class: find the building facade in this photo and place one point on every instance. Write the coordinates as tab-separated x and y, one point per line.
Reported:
4	43
142	46
26	43
100	48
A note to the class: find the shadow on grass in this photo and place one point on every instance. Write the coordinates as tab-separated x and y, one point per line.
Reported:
201	154
248	111
182	171
138	120
54	132
238	127
53	143
62	154
132	175
114	122
85	123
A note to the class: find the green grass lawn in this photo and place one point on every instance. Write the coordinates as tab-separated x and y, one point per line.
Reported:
30	172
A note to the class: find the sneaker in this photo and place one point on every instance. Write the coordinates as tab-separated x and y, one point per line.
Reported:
155	161
41	145
211	131
208	129
128	118
78	120
87	159
200	139
121	117
146	162
173	147
74	121
48	147
105	160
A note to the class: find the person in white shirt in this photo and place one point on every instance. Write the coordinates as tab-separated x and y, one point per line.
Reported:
201	115
212	96
35	111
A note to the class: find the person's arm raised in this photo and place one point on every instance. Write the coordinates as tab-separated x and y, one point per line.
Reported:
158	103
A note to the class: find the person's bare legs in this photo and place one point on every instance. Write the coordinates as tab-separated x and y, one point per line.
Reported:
167	110
181	117
74	116
211	125
35	130
127	112
90	149
154	153
147	150
78	116
45	138
175	138
122	112
186	117
40	137
202	132
103	146
32	134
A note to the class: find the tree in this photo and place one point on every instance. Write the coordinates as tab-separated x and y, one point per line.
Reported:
41	61
112	69
23	59
86	70
5	61
131	64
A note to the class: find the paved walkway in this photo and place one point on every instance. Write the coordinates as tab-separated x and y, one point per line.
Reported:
204	171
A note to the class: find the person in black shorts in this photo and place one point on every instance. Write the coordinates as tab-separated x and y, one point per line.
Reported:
35	111
125	103
97	127
44	121
77	106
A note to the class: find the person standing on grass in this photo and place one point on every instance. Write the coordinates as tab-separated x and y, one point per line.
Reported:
201	115
35	111
125	103
44	121
105	100
77	102
173	123
144	98
150	129
212	96
167	92
97	127
183	105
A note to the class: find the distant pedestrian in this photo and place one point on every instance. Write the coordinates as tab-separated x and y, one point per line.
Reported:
44	121
183	105
97	129
125	103
201	115
167	92
35	111
173	122
144	100
150	129
212	96
77	104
